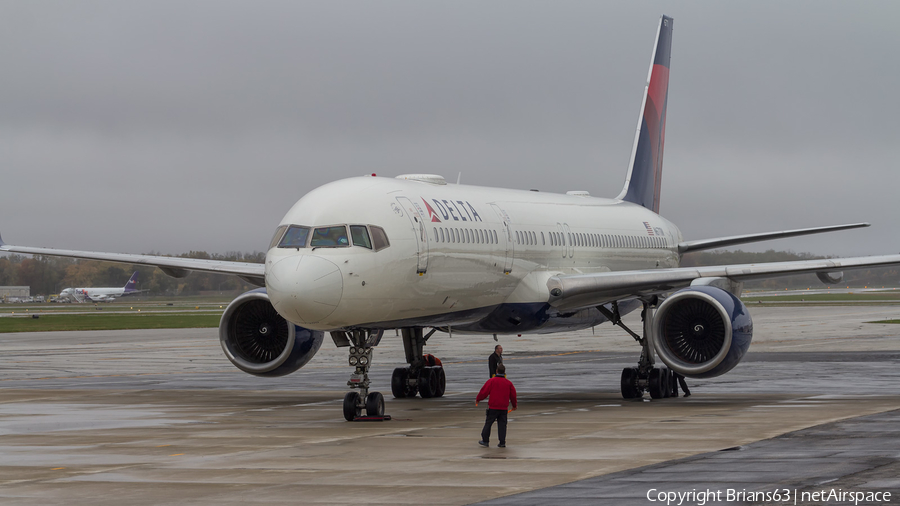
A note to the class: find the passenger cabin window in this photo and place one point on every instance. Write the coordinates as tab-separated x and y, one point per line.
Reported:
360	236
379	238
279	232
330	237
294	237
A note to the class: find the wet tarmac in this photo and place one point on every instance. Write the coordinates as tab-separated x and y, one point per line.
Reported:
155	417
819	465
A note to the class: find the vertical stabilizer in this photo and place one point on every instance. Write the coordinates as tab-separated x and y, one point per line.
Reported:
642	184
131	285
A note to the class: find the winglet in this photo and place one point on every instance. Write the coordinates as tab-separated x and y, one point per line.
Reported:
2	243
644	178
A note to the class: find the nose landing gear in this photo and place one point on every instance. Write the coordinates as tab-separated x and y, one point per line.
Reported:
362	344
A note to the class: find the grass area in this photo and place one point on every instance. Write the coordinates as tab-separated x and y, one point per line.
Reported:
886	321
51	308
828	297
53	323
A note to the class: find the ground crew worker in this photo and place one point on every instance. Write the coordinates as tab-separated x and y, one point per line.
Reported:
680	380
494	359
500	392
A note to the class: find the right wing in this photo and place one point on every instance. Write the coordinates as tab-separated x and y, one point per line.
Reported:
173	266
588	290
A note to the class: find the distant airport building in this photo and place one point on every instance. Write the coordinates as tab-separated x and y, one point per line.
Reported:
16	292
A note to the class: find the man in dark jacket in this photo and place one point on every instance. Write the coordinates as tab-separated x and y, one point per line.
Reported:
500	392
494	359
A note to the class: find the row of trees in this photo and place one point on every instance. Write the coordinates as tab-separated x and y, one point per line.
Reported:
50	275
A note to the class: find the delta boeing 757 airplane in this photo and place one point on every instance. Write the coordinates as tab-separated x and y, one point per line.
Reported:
358	256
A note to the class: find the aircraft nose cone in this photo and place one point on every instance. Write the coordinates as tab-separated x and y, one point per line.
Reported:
304	288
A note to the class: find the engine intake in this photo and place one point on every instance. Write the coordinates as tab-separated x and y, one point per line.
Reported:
702	331
259	341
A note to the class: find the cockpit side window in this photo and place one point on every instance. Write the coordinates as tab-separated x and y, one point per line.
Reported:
360	236
294	237
330	237
277	237
379	238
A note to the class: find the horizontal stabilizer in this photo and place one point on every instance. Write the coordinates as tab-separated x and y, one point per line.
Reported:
722	242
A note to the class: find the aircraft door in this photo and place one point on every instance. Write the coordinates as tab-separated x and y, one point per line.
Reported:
417	221
507	237
570	247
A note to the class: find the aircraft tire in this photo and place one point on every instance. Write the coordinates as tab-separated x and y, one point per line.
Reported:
667	381
657	383
400	383
351	406
441	383
427	383
375	404
629	383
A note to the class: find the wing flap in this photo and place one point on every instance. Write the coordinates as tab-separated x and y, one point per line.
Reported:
587	290
252	273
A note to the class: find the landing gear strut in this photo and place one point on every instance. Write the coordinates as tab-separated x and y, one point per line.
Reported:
645	377
419	377
362	344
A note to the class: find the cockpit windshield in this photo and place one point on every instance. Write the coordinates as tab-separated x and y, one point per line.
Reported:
295	237
330	237
279	233
336	236
360	236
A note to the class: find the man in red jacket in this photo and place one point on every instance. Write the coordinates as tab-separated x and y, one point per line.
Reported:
500	393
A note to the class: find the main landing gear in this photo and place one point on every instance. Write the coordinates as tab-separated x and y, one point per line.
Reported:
419	377
645	377
362	344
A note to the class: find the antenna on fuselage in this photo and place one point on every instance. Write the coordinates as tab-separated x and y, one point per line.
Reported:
459	178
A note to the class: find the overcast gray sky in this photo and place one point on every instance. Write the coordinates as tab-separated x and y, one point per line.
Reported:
171	126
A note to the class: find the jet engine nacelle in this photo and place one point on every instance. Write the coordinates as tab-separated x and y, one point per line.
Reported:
702	331
830	278
260	341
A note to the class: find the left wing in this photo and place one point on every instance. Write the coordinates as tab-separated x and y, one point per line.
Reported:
588	290
173	266
722	242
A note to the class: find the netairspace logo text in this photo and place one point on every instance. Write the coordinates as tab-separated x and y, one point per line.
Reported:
777	496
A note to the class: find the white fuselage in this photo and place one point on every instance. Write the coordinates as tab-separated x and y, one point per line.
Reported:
429	277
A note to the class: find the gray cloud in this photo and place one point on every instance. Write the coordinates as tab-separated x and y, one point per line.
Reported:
168	126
